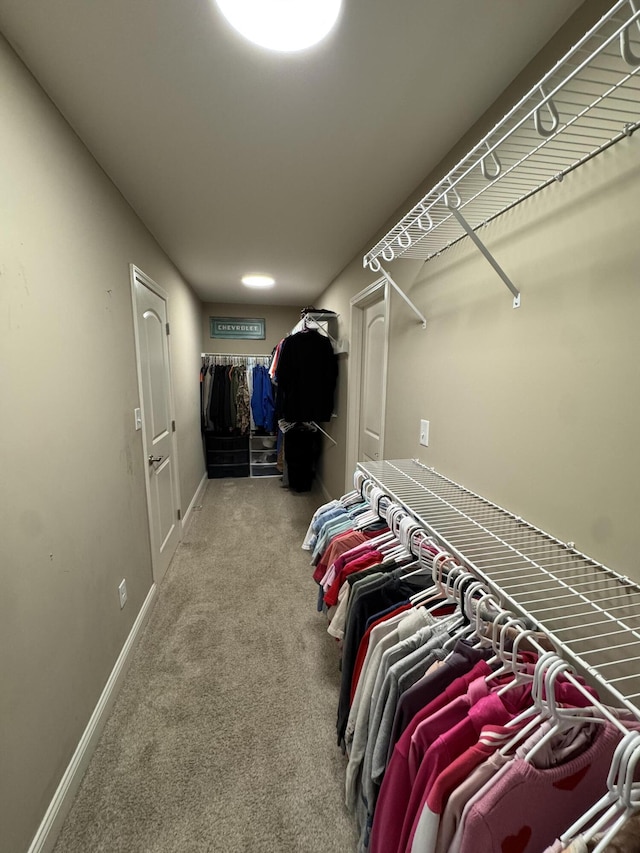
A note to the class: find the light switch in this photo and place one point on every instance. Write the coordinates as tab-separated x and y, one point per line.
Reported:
424	433
138	418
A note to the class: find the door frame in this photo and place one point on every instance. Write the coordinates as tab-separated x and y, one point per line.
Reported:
137	274
378	291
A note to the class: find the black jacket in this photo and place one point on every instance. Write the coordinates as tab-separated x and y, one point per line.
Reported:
306	375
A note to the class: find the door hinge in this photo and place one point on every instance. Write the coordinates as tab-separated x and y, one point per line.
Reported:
179	514
173	426
168	329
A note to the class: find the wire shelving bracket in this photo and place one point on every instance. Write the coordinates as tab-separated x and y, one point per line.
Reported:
401	292
589	101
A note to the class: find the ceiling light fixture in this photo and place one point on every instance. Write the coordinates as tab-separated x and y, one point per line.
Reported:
258	280
284	25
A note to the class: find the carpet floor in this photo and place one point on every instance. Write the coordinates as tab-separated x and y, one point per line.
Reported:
222	738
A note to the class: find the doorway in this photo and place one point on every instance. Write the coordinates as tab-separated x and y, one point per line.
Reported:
367	376
150	313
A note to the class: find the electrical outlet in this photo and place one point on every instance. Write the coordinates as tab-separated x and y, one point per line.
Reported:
122	591
424	433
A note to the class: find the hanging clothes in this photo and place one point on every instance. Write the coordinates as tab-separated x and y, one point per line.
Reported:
219	405
262	402
224	397
304	369
448	749
243	402
306	376
302	447
205	389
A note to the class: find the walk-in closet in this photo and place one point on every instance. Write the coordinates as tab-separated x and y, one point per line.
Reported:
238	416
320	466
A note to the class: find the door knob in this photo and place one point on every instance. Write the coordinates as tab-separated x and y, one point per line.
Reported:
153	459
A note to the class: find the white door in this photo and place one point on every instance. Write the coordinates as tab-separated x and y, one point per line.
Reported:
367	376
371	386
157	412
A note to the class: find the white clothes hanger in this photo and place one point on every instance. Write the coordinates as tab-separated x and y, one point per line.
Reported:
437	590
495	627
461	626
307	323
398	555
480	631
391	544
366	519
562	718
350	497
520	673
440	593
545	707
382	539
468	626
366	488
535	713
422	562
373	497
507	659
466	603
359	478
394	516
423	546
621	800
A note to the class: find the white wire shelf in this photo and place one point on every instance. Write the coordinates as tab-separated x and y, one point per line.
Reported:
589	611
586	103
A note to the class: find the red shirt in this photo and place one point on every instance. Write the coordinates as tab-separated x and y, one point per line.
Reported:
356	565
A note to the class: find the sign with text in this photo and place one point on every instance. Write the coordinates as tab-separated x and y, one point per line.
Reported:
237	328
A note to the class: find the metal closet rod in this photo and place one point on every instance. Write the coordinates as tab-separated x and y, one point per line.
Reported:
320	315
233	355
319	428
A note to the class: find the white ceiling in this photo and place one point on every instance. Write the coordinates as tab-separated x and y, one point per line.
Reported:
238	159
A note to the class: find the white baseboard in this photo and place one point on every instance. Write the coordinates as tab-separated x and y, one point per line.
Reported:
47	834
324	489
194	501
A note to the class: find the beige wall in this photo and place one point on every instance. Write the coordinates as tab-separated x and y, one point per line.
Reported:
535	408
73	494
279	320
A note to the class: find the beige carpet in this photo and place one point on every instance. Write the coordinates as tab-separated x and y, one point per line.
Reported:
222	739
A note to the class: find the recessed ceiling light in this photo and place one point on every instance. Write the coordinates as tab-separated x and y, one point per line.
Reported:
285	25
258	280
